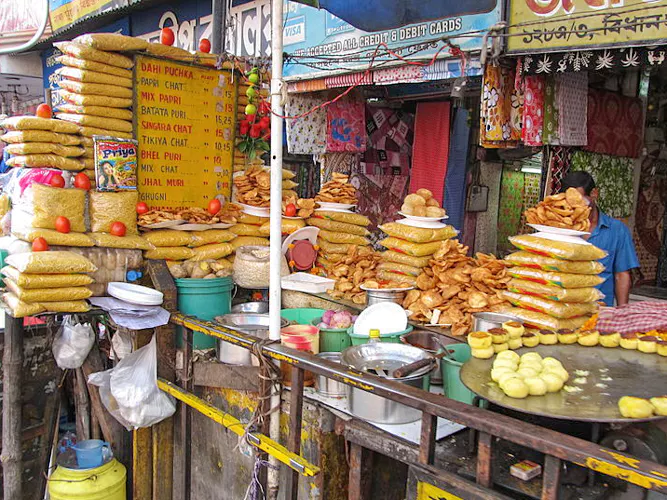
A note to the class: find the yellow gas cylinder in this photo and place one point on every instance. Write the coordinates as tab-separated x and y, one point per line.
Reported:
106	482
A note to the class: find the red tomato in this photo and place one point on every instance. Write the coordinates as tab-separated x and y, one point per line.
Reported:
142	208
205	45
290	210
265	122
244	127
255	131
167	36
214	206
44	111
40	245
118	229
57	181
81	181
250	118
62	224
264	108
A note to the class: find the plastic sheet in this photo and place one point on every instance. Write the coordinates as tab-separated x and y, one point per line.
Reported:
338	227
409	248
577	295
564	280
47	294
561	310
107	208
350	239
557	249
32	281
534	261
418	234
52	262
72	343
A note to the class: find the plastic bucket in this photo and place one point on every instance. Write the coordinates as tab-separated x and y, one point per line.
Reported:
301	338
332	339
302	315
91	453
205	299
452	387
102	483
391	338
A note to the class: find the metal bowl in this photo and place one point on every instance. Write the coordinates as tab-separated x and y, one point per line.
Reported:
328	386
422	339
374	358
251	308
483	322
252	324
377	295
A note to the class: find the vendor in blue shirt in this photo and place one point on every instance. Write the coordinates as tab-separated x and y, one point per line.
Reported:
612	236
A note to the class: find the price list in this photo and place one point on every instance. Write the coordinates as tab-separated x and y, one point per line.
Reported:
185	128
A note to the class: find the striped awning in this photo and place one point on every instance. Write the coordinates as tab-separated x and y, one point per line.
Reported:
349	80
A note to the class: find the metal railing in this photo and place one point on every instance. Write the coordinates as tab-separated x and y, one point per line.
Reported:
556	446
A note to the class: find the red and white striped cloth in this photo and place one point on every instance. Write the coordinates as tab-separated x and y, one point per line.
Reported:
349	80
642	316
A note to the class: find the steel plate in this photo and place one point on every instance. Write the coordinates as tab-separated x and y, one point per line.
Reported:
632	373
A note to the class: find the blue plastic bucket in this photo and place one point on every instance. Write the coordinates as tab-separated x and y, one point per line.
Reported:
91	453
204	299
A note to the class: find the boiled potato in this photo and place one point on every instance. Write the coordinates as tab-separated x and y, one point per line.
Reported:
515	388
531	356
485	353
509	355
536	386
631	407
660	405
553	381
504	363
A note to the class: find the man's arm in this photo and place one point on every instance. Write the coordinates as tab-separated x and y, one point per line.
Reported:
622	285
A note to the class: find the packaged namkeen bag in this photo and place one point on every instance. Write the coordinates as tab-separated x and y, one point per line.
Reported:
557	249
200	238
338	227
564	280
37	123
562	310
107	208
288	226
88	76
335	248
92	131
47	294
576	295
95	100
249	241
213	251
251	219
103	111
169	238
408	260
48	203
170	253
347	217
39	148
19	308
97	121
53	237
397	268
80	51
75	62
129	241
96	89
399	278
418	234
351	239
51	262
169	52
534	261
44	161
113	42
32	281
407	247
19	136
538	321
246	230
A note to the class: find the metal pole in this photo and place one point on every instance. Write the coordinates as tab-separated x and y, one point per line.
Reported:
276	213
219	9
12	388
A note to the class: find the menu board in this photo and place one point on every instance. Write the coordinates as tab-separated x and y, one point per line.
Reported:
185	128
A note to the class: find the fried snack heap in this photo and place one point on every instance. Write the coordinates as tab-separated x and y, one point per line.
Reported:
338	190
227	214
354	270
565	210
254	187
422	204
305	206
454	286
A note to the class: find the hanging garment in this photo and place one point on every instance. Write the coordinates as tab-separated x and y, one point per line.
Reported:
431	148
346	127
615	124
511	207
455	182
551	114
500	118
390	137
305	135
572	106
533	110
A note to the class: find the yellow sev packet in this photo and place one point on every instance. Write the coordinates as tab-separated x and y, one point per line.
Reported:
115	163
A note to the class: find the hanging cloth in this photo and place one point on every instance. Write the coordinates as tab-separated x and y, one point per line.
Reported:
551	113
346	130
305	135
533	110
500	113
455	182
573	105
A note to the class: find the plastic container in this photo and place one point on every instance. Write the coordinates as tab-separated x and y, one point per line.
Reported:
91	453
301	338
332	339
391	338
102	483
452	387
205	299
302	315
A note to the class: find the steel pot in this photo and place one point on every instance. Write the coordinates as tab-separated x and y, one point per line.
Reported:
252	324
377	296
379	358
328	386
483	322
251	308
424	340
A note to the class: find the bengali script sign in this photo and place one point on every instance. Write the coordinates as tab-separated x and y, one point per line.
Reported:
63	13
185	127
553	25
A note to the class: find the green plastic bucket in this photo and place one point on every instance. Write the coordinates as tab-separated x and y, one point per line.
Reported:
302	315
390	338
3	256
204	299
332	339
452	386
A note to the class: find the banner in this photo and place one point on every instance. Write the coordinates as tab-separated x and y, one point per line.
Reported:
185	121
558	25
63	13
323	45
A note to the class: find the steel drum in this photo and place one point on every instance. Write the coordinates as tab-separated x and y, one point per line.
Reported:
612	374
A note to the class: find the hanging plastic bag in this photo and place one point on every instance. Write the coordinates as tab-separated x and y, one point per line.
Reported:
103	381
72	343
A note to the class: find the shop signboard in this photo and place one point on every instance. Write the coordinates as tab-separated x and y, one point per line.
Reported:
560	25
249	31
323	45
423	485
185	121
63	13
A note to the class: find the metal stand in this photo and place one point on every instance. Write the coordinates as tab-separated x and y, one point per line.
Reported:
12	363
